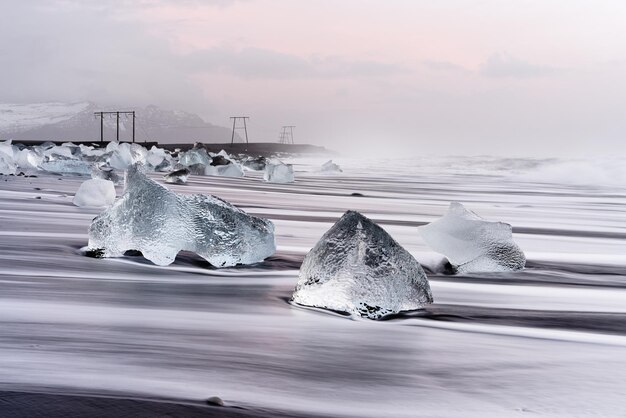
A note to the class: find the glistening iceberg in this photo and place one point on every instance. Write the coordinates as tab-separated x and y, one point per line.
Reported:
159	223
356	267
473	244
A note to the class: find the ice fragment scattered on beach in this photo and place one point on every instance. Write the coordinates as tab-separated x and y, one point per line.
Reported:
278	172
104	172
358	268
158	159
6	147
177	177
473	244
95	193
67	167
200	162
195	155
255	163
229	170
123	155
29	159
7	165
330	167
159	223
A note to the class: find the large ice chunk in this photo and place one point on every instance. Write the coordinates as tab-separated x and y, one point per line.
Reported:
67	167
278	172
123	155
159	159
104	172
473	244
357	268
159	223
61	152
200	162
90	151
7	147
255	163
196	155
228	170
95	193
7	165
30	159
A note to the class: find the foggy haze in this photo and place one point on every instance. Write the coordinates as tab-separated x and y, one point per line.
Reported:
541	78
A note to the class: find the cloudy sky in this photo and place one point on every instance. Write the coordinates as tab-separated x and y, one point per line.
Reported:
518	77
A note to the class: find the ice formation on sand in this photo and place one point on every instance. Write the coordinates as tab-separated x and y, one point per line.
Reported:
99	171
159	223
357	268
7	165
255	163
228	170
29	159
123	155
199	162
473	244
278	172
196	155
158	159
330	167
6	147
95	193
177	177
67	167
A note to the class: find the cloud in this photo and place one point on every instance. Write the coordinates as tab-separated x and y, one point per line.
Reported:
445	66
262	63
79	53
503	65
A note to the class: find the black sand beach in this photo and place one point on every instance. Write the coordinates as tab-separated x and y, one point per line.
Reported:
47	405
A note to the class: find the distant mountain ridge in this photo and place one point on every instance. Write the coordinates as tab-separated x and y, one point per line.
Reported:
55	121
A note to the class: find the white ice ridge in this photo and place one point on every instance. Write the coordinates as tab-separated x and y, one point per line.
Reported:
358	268
95	193
278	172
473	244
160	223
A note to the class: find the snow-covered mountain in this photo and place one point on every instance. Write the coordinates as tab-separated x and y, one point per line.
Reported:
76	122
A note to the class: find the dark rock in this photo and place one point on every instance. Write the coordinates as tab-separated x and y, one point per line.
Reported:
215	401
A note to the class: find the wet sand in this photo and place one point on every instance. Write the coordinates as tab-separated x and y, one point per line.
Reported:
51	405
548	341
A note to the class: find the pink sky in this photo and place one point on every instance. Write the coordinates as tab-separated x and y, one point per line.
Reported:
501	77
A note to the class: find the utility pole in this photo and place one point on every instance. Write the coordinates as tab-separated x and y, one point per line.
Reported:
117	114
286	135
245	127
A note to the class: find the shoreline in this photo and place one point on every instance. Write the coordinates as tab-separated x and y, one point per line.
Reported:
264	149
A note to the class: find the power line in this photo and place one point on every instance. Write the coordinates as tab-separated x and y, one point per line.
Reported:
117	114
245	128
286	134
